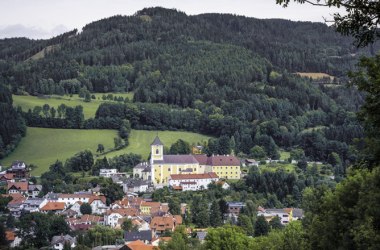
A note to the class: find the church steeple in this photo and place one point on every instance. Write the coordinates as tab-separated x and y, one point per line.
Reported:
156	150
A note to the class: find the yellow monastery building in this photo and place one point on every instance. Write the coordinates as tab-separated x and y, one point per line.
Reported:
162	166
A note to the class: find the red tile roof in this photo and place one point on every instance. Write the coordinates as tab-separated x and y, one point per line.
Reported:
150	204
22	186
167	222
202	159
53	206
124	211
193	176
10	236
139	245
223	160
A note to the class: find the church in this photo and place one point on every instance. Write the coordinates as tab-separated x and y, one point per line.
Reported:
163	166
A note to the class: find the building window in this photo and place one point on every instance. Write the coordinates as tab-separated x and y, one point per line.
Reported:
168	169
157	151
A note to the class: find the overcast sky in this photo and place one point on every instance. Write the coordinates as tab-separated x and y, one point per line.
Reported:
46	18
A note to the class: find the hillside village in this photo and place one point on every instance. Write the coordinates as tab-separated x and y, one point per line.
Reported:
151	221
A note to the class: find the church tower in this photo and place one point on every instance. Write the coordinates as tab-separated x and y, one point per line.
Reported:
156	151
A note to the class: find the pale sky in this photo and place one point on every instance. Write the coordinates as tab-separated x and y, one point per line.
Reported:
47	18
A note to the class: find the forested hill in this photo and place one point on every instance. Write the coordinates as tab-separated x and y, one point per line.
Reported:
220	74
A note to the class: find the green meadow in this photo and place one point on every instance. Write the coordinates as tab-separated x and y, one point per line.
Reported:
43	146
89	108
140	140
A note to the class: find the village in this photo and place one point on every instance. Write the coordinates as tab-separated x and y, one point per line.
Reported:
151	220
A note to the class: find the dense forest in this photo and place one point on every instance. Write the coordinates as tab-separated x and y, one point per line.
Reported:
218	74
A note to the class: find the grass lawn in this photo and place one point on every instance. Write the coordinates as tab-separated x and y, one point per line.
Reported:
273	167
43	146
89	108
140	140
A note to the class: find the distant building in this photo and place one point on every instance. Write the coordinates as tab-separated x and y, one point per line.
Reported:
235	207
107	172
19	170
286	215
192	182
18	187
135	185
160	224
145	236
58	242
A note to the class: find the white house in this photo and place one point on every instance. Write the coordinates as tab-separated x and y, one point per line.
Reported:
135	185
192	181
139	169
107	172
58	242
269	214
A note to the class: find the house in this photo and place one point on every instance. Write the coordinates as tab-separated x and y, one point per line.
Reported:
297	214
192	182
16	204
19	170
139	169
147	206
144	236
55	207
251	162
223	184
76	207
285	214
34	204
34	190
235	207
58	242
112	216
160	224
12	239
98	204
138	245
107	172
18	187
5	178
84	222
135	185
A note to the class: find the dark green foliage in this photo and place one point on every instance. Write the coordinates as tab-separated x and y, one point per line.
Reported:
3	240
12	126
368	80
261	226
216	218
112	192
37	229
174	206
275	223
125	163
4	202
82	161
180	147
85	208
128	225
353	205
200	212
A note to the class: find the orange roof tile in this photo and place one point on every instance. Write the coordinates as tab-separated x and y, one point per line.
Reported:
139	245
150	204
52	206
124	211
22	186
10	236
163	223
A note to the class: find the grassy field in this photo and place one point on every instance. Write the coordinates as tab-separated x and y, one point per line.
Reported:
43	146
140	140
315	76
284	155
89	108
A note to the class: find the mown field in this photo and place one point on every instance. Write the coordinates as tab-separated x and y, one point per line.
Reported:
89	108
140	140
43	146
